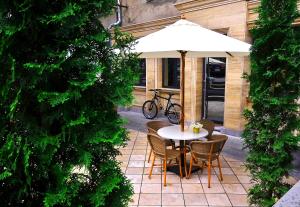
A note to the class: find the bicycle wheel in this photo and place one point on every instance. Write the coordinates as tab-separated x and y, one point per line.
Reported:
150	109
173	113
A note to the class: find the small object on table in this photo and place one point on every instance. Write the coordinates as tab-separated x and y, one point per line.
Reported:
197	127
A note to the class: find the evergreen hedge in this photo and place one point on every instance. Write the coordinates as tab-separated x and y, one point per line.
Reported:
270	133
60	81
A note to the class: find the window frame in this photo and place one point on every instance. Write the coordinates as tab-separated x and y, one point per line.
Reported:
176	73
143	73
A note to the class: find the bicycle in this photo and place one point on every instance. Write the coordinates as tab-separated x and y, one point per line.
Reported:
172	110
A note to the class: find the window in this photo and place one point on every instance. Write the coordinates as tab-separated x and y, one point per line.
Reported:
171	72
142	81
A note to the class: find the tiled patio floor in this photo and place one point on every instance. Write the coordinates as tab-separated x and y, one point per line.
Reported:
181	192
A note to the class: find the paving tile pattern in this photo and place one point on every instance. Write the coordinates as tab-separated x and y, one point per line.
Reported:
232	191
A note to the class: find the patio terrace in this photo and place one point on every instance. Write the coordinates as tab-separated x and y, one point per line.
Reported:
232	191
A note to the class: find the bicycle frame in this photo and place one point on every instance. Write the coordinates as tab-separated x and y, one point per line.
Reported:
157	99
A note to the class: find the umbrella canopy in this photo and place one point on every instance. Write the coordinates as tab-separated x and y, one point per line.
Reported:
187	36
187	39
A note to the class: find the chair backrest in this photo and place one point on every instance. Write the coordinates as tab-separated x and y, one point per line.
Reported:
209	149
157	144
153	126
209	126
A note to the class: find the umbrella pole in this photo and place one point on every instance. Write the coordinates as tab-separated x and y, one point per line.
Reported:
183	53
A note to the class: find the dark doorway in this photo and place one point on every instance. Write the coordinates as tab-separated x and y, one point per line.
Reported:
214	71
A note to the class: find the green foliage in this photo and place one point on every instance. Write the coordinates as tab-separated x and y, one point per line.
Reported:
274	90
60	81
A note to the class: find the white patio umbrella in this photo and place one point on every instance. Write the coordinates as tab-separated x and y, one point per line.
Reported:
187	39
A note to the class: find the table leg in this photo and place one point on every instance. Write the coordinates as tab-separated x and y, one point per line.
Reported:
185	168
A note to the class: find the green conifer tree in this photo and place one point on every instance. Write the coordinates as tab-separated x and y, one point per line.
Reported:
270	133
60	81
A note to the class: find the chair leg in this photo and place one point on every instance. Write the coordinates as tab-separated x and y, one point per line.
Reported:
184	155
165	172
180	168
150	173
209	172
191	167
219	165
149	156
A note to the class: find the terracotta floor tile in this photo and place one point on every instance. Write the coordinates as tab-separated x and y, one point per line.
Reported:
138	152
214	179
128	147
130	143
134	199
172	188
150	199
124	164
123	169
125	151
150	206
137	163
238	200
195	199
155	171
193	179
141	142
175	206
132	139
172	179
225	171
192	188
214	188
157	162
136	188
123	158
244	178
217	200
172	199
240	170
230	179
154	179
234	189
151	188
247	186
140	147
230	159
142	134
223	163
204	171
137	157
135	170
135	178
235	164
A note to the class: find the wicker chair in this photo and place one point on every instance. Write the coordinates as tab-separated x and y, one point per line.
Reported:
160	150
206	152
209	126
153	126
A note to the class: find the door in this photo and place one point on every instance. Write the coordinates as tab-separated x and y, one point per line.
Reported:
214	71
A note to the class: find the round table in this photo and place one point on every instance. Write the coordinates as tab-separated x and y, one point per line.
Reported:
175	133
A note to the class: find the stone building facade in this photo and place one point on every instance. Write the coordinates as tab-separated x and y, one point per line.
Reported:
233	18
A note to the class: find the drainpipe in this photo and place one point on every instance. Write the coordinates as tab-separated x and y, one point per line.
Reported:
118	20
118	15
